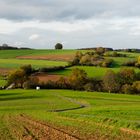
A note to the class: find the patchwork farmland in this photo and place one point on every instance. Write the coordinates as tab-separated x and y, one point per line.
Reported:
62	113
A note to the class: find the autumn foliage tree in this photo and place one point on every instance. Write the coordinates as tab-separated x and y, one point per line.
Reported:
27	69
136	86
63	83
110	82
78	78
17	77
126	76
138	62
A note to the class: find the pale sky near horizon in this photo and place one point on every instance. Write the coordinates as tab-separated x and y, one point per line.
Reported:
74	23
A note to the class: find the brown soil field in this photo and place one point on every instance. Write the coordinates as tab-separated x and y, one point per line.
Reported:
5	71
43	77
56	57
25	128
22	127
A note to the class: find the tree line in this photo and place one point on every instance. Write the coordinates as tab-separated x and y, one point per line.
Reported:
125	81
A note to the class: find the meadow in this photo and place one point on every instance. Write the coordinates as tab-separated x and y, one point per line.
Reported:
91	71
8	59
6	54
16	63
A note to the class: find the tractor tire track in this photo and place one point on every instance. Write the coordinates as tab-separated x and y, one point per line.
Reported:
43	131
80	105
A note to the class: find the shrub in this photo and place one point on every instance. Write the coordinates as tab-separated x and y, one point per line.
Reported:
31	83
17	77
110	82
130	63
75	61
63	83
91	59
136	86
97	84
52	69
89	87
27	69
107	54
137	65
85	60
127	89
138	62
78	54
126	76
138	76
77	79
107	63
49	85
115	54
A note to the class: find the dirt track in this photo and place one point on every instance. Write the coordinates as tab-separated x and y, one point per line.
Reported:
79	104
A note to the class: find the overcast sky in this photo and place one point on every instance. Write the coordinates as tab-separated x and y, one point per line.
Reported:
75	23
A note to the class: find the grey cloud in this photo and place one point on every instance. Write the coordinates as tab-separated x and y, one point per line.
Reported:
117	22
67	9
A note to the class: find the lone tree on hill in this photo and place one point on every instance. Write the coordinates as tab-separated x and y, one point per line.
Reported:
58	46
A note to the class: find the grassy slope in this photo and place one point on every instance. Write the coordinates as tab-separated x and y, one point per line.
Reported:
14	53
28	100
16	63
100	71
7	60
104	110
91	71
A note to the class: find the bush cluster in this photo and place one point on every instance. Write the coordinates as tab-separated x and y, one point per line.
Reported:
92	59
114	54
125	81
133	63
129	50
51	69
18	77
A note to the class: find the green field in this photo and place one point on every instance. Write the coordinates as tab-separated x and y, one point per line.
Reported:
14	53
8	60
103	113
16	63
87	115
91	71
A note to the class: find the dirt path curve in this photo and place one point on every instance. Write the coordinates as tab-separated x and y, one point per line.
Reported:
80	105
36	130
